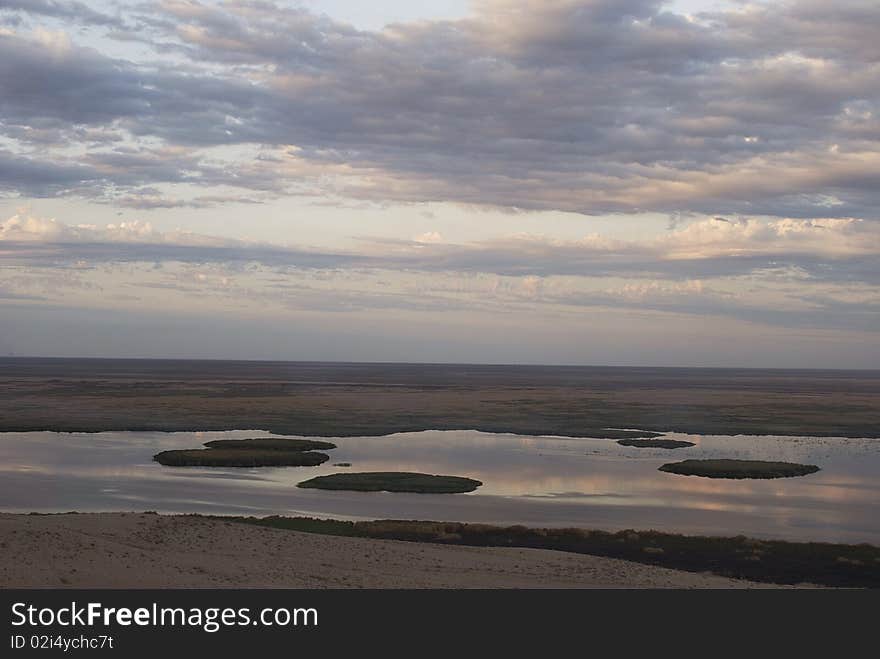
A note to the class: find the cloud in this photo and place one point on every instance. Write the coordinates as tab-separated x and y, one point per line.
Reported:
26	228
37	177
821	250
37	242
590	106
61	9
791	273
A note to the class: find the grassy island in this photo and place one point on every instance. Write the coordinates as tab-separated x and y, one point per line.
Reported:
241	457
271	444
259	452
655	443
393	482
738	468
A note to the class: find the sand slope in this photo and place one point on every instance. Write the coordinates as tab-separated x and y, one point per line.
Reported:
129	550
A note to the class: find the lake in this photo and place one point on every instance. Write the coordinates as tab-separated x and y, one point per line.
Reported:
534	481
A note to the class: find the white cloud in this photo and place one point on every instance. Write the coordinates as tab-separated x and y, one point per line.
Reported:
709	247
23	227
429	237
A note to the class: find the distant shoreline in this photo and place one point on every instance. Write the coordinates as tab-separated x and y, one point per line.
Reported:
487	365
609	433
345	400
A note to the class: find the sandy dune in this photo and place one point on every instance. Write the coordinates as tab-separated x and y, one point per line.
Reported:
129	550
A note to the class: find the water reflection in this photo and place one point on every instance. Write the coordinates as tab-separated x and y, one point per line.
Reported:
528	480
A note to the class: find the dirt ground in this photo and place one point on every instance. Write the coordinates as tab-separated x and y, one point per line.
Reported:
131	550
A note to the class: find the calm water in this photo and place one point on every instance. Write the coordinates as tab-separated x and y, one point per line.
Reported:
547	481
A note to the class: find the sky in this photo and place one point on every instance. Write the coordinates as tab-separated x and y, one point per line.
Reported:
624	182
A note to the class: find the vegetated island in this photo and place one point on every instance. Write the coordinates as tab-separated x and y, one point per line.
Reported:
738	468
393	481
261	452
655	443
272	444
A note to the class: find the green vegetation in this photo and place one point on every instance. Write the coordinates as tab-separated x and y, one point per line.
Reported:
241	457
655	443
392	481
738	468
271	444
772	561
260	452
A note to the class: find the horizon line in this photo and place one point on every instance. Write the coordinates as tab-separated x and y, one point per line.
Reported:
451	363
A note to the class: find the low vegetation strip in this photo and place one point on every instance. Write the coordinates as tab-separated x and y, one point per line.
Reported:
655	443
393	481
240	458
272	444
738	468
770	561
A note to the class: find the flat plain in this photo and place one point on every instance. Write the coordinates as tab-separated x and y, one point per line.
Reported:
338	399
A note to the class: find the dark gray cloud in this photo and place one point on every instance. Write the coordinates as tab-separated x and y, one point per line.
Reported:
38	178
582	105
152	199
63	9
56	84
62	253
